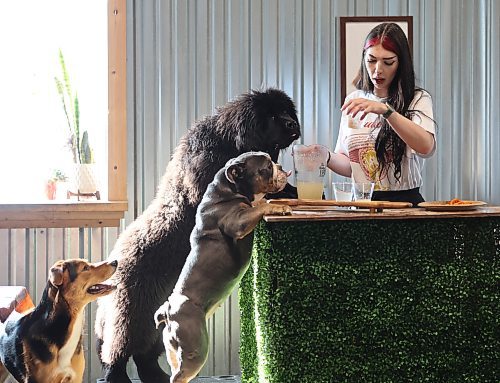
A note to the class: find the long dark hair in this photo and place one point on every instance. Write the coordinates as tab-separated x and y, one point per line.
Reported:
388	145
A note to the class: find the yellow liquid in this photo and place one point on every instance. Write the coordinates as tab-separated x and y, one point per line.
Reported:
310	190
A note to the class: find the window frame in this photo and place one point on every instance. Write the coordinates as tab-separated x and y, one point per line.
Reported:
92	213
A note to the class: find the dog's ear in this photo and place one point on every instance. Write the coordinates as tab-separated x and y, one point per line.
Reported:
235	171
56	275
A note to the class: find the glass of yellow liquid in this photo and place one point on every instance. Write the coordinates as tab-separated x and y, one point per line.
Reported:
309	163
310	190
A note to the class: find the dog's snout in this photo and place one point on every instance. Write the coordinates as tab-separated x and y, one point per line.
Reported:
293	128
291	124
114	263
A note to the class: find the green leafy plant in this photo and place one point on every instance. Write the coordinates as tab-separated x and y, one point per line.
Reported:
58	175
78	143
372	301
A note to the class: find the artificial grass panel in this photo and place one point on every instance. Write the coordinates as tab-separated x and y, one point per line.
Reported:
372	301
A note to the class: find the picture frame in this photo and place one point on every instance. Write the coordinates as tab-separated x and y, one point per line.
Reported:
353	31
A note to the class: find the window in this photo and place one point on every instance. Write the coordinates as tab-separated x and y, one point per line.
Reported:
66	213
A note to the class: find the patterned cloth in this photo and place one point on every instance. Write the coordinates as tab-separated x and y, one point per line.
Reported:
14	298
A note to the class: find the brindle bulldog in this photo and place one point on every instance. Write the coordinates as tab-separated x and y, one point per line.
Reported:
221	245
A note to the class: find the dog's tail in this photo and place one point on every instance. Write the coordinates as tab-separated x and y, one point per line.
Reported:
161	315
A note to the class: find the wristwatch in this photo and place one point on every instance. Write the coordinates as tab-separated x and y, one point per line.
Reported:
388	112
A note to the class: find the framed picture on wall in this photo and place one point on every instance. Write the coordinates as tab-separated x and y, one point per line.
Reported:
353	31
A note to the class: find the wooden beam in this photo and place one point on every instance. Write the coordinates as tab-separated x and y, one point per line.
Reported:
70	214
117	100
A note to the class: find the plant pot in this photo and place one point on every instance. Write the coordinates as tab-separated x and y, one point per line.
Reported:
50	190
84	179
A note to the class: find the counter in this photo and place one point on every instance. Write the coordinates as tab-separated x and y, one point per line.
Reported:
351	296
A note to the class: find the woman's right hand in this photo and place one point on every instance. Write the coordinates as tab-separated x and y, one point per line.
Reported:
364	106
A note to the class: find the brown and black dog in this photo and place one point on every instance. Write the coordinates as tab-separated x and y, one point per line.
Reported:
45	344
221	245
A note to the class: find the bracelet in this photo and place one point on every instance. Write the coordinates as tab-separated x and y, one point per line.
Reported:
388	112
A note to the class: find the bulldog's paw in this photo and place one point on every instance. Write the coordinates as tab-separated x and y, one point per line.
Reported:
280	209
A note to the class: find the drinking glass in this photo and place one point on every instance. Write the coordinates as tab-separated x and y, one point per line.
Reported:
363	191
342	191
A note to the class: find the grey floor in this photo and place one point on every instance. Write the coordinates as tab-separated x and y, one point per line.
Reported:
203	379
217	379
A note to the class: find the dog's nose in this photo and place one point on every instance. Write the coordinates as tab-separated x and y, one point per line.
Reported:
293	128
114	263
291	124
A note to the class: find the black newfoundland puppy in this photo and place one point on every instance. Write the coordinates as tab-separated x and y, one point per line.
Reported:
152	250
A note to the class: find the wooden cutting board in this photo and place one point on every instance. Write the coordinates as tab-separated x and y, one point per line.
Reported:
374	206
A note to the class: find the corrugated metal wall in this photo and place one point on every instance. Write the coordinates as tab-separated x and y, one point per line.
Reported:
27	255
194	55
188	56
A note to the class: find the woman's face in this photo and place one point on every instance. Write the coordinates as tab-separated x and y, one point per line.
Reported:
382	66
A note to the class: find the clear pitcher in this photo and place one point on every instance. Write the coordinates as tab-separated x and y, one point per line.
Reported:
309	162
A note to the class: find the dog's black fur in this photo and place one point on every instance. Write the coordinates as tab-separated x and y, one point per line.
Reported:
152	250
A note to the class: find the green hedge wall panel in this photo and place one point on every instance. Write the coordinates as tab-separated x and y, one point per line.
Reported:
379	301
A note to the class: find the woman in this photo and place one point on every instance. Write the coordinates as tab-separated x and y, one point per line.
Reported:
387	126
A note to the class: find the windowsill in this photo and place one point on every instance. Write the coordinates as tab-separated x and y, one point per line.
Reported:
62	214
91	213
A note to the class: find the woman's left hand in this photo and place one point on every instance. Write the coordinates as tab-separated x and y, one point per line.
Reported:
363	106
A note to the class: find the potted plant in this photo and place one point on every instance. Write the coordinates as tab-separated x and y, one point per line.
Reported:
84	180
51	186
